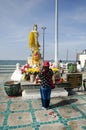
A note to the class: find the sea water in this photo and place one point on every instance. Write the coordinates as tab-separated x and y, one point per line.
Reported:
12	62
8	66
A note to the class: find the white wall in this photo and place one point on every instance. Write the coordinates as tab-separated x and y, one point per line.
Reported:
82	58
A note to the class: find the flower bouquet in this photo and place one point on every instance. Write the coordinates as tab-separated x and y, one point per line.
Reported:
32	73
56	75
25	75
55	70
29	73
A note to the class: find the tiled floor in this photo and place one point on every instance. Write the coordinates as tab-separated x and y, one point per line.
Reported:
65	113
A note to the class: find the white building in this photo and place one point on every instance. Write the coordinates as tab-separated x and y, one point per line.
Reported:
82	58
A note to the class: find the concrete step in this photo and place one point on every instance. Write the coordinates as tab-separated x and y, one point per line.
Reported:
35	93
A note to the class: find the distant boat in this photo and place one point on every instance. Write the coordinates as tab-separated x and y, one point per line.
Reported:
82	58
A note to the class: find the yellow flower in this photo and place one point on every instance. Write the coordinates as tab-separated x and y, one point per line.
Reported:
55	70
32	71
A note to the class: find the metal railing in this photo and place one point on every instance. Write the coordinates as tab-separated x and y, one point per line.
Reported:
7	68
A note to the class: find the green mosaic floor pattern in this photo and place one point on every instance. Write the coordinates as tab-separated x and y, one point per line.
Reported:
19	114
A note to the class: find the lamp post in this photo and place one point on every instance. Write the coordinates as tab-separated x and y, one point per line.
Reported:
56	32
43	28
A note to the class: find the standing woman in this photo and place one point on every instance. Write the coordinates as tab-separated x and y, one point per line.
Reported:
45	87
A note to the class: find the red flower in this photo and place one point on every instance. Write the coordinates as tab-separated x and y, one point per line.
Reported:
23	70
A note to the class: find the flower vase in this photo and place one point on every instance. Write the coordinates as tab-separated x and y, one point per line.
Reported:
32	78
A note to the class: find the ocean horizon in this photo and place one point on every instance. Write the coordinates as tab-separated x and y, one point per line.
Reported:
8	66
22	62
12	62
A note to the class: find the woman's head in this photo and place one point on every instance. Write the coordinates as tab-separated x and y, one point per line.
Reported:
46	64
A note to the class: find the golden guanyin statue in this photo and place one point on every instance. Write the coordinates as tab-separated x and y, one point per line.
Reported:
34	45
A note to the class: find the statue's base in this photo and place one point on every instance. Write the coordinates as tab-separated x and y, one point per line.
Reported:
35	93
29	61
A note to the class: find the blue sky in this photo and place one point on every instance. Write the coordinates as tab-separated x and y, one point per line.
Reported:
17	18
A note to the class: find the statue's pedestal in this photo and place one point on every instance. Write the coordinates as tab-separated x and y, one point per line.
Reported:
35	93
29	61
32	91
